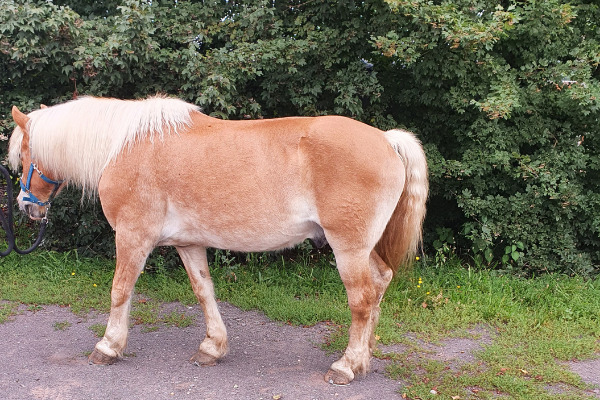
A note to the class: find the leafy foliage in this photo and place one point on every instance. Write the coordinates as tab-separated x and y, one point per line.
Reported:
503	94
506	98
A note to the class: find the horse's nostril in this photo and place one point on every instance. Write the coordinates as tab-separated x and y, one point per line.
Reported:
27	208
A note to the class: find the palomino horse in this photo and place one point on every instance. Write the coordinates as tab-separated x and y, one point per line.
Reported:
166	174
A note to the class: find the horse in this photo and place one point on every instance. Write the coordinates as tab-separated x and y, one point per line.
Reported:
167	174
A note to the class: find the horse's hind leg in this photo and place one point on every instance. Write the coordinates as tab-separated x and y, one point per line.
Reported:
382	275
132	250
214	345
355	273
366	278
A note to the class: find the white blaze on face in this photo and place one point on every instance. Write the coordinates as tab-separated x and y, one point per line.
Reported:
20	200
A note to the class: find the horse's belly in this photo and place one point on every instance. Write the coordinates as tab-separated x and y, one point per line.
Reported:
248	231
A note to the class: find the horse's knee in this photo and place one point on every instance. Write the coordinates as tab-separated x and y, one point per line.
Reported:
363	295
119	297
121	293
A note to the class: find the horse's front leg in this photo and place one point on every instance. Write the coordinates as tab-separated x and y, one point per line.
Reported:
132	250
214	345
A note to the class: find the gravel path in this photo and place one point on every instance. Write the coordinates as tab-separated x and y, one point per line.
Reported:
267	360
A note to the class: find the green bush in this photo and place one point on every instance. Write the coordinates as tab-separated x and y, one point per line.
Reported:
506	98
503	94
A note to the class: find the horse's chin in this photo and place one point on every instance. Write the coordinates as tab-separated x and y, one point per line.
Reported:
37	218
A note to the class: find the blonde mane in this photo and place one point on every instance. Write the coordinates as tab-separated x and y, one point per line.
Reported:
75	141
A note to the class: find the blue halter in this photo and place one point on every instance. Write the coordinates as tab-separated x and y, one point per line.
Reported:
26	187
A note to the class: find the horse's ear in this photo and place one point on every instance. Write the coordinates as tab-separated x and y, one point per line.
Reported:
20	118
42	106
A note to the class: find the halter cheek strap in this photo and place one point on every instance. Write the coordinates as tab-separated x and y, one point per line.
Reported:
26	187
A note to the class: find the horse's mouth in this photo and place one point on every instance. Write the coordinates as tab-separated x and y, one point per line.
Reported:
34	212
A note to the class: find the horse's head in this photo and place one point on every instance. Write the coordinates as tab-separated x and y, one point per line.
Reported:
38	186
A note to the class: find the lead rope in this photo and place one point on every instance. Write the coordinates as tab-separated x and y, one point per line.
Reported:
6	219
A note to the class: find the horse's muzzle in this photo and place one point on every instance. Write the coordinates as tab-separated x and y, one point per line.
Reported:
34	211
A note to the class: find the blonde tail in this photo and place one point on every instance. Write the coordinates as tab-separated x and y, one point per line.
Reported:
404	232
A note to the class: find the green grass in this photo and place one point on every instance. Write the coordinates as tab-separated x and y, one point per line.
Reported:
7	311
98	329
179	320
53	278
61	325
531	325
534	323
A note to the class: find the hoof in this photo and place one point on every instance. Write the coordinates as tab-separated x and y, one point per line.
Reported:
203	360
100	358
336	377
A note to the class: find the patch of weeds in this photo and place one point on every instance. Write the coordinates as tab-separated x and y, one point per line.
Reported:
497	372
98	329
426	378
145	313
61	326
7	311
336	340
410	366
34	308
179	320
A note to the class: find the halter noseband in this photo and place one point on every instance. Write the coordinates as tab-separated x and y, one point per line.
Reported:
26	187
